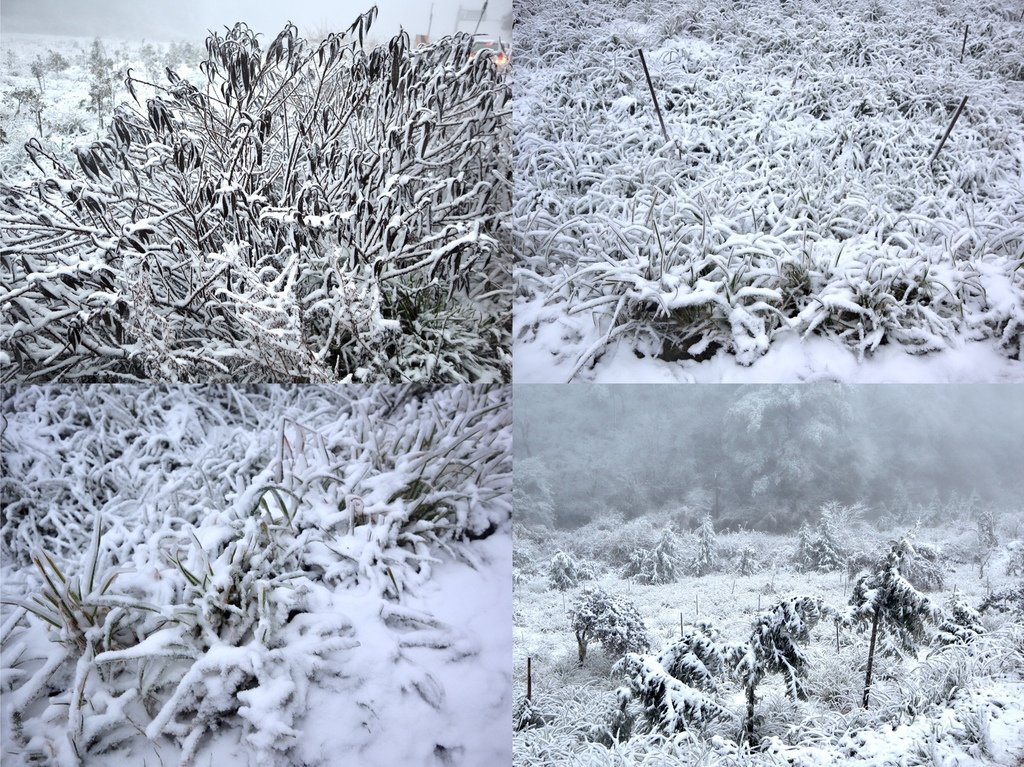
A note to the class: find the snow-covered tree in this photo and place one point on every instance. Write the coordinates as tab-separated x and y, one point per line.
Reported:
1009	599
696	657
563	572
774	648
612	621
888	601
532	492
1015	564
657	565
961	624
668	704
746	561
820	549
706	559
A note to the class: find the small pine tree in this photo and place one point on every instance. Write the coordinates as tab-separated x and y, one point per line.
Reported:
889	602
706	560
613	621
821	550
563	573
657	565
696	658
746	561
773	648
101	80
961	624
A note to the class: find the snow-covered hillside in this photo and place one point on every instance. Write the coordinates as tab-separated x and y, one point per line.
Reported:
261	576
785	223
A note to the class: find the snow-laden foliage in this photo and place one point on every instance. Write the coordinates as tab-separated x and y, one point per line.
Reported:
564	572
661	564
272	546
820	549
746	561
961	623
793	195
313	212
612	621
669	705
1008	599
696	657
774	645
888	602
1015	562
705	560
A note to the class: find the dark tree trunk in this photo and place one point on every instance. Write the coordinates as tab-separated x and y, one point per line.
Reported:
871	657
748	733
581	643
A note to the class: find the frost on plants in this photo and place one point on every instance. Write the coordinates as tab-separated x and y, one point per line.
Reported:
774	196
194	569
296	211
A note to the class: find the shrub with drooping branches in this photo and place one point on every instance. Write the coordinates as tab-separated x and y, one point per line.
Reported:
313	212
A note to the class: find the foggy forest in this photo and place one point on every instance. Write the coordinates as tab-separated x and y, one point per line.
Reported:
768	575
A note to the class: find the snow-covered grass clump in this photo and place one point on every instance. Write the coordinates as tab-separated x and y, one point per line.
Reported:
792	200
769	668
272	576
309	212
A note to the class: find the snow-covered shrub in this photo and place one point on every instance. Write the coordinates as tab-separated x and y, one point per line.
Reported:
804	231
1015	562
660	564
774	648
562	572
668	704
696	658
889	603
705	560
301	570
316	212
612	621
820	549
747	561
1009	599
960	624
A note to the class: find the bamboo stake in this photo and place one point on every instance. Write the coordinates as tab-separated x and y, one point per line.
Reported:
529	677
680	623
949	129
964	46
654	96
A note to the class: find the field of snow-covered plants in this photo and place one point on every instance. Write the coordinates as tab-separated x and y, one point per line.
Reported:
788	224
276	209
709	648
256	576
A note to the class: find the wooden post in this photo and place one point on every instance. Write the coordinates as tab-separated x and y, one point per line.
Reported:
949	129
654	96
680	623
529	678
837	637
696	604
759	603
964	46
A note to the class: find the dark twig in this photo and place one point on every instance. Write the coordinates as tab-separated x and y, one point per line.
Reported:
654	96
949	129
964	46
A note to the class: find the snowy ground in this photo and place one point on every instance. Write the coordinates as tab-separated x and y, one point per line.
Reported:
791	227
953	706
266	576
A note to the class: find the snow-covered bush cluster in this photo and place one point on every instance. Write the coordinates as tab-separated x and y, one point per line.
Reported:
793	195
314	212
214	565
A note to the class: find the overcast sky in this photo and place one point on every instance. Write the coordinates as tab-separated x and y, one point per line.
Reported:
166	20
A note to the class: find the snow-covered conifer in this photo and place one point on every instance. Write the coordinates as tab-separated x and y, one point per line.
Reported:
706	559
563	573
888	601
657	565
961	624
668	704
746	561
774	648
612	621
696	658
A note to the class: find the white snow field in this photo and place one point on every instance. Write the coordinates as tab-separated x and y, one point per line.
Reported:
261	209
943	705
789	224
256	576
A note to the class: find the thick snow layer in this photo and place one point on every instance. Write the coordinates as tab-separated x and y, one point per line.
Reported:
265	576
792	199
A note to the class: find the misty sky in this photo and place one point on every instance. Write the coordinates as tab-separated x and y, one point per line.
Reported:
166	20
